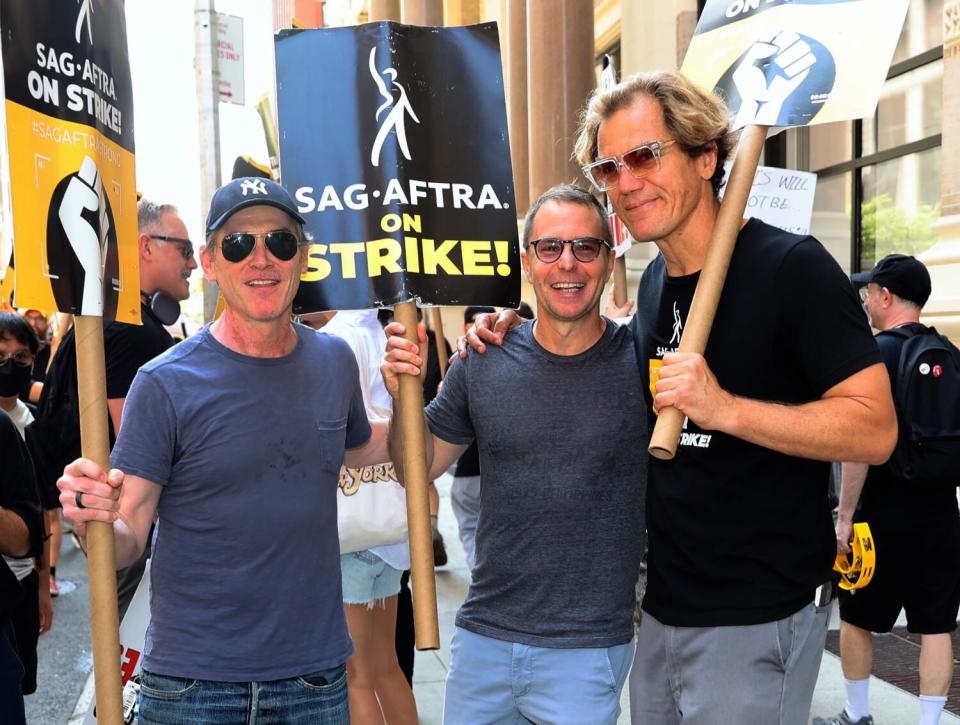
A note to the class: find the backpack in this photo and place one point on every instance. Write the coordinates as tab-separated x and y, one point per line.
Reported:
927	399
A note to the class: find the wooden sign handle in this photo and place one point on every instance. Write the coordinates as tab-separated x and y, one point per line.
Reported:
703	308
101	559
620	281
422	576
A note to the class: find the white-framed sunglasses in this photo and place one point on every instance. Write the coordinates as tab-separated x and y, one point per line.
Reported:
641	161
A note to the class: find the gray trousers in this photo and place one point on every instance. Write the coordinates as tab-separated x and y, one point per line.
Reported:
762	674
465	502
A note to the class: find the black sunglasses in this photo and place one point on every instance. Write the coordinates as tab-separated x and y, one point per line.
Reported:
281	243
184	245
585	249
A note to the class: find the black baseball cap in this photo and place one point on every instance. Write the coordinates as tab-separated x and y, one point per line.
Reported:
905	276
248	191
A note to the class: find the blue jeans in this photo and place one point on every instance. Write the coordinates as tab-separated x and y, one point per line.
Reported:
11	673
320	697
501	683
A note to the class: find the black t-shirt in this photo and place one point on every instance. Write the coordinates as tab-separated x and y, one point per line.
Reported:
126	348
891	502
469	463
740	534
17	494
40	362
431	381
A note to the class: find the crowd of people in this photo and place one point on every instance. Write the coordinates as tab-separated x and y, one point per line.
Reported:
229	443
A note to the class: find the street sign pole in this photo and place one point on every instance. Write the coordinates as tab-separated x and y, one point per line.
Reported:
205	30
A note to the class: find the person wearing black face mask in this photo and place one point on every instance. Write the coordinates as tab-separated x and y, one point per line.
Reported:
14	376
32	614
18	349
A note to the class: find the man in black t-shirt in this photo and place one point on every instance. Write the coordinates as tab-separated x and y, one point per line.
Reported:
166	262
915	526
739	527
740	533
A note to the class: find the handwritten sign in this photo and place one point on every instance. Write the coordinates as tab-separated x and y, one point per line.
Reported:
781	197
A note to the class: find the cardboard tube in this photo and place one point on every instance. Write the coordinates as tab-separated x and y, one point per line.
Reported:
437	324
101	561
422	575
703	308
620	282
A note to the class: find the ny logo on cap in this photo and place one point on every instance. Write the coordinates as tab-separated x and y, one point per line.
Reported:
254	185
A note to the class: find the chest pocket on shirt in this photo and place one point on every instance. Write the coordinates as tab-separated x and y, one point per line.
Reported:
330	441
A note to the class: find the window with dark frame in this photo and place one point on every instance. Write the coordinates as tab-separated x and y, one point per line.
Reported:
878	188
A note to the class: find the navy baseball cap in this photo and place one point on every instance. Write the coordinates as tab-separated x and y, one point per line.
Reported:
248	191
907	277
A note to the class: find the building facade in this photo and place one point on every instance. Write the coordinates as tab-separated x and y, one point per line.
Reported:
888	183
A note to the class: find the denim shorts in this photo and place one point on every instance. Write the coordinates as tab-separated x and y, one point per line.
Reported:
367	578
319	697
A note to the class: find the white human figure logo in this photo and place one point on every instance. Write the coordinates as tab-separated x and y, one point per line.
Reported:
395	119
255	186
761	103
677	326
86	8
85	193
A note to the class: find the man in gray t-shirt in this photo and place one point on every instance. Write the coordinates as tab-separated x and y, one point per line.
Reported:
546	631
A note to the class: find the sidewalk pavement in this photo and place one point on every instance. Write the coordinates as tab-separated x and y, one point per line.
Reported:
888	703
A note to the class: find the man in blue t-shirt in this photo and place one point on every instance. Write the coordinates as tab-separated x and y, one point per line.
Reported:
236	442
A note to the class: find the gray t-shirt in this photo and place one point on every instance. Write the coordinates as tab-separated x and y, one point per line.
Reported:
246	567
563	460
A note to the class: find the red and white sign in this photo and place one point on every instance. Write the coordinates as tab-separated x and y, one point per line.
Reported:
230	58
133	633
622	241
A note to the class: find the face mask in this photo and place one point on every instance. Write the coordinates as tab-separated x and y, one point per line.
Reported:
13	378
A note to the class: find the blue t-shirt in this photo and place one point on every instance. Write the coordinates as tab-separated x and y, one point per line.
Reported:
246	568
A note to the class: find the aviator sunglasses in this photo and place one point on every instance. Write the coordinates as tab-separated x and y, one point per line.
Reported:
281	243
643	160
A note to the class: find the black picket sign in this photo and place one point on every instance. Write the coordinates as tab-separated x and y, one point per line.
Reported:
393	141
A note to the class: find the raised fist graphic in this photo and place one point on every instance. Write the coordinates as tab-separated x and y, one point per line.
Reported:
769	73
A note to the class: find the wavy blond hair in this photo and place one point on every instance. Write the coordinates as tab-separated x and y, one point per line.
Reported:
695	119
